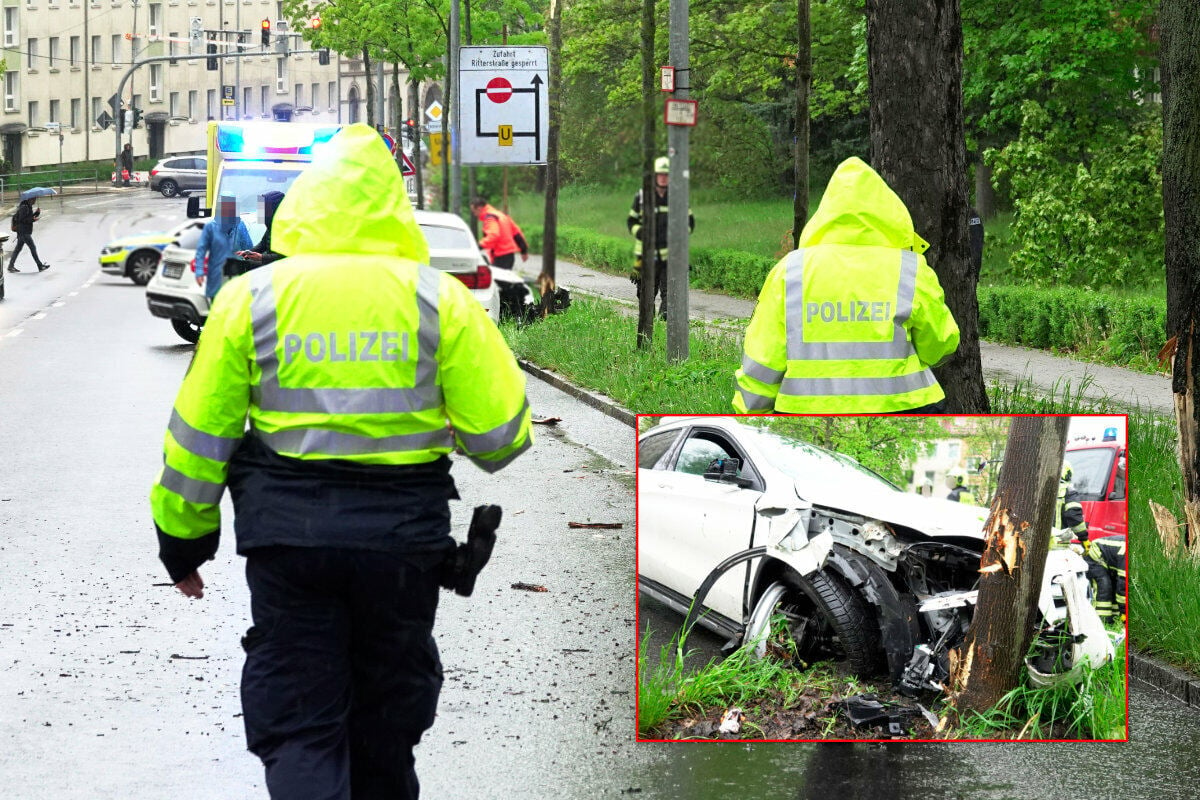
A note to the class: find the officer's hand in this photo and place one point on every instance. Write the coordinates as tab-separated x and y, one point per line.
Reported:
199	280
192	585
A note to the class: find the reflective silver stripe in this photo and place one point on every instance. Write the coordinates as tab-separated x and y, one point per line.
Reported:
898	384
497	438
322	441
755	402
270	396
197	442
190	489
496	466
898	348
760	373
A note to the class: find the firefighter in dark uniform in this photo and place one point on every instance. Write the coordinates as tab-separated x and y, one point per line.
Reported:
326	392
635	220
1106	572
1069	516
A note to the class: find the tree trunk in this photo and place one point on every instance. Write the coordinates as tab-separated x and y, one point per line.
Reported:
554	89
417	116
1014	559
914	68
645	330
370	87
800	149
1180	58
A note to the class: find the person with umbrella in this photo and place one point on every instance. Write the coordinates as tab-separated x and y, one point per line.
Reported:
22	226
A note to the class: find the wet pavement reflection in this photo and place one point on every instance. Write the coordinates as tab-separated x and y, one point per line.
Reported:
1157	763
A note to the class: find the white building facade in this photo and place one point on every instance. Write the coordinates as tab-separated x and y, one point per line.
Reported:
66	58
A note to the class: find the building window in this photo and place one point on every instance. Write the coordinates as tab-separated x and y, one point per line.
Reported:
10	26
155	18
74	51
94	58
193	98
281	81
173	104
95	109
246	96
76	110
333	96
155	82
54	107
53	52
33	114
10	90
954	450
265	96
211	103
314	96
299	95
172	45
31	50
116	48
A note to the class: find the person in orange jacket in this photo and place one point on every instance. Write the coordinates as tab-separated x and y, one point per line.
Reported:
502	238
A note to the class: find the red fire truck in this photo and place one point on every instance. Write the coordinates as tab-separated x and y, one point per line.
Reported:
1099	477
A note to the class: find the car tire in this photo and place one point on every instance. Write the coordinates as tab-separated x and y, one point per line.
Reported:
141	266
823	606
168	188
188	331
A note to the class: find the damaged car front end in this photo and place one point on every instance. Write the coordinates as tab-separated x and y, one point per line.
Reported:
854	567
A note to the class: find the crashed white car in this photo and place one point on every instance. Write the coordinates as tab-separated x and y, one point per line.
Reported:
748	524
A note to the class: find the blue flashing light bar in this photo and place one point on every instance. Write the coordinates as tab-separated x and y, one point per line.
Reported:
1110	434
266	139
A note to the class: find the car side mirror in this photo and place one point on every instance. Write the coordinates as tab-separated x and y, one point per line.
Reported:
725	470
193	208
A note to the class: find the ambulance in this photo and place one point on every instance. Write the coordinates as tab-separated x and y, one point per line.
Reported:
245	160
1099	476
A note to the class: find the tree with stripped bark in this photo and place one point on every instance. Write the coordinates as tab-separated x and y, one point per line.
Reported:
988	663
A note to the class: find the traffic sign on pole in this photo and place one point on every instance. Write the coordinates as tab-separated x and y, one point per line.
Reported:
503	105
406	165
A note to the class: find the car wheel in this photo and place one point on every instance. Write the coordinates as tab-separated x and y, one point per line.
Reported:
141	266
824	616
168	188
188	331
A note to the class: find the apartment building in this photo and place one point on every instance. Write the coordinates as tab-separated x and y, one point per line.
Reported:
66	58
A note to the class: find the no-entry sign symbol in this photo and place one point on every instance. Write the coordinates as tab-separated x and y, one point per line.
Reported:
499	90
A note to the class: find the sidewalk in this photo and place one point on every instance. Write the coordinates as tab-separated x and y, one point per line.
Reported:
1000	362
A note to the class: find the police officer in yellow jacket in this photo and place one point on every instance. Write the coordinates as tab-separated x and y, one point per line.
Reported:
854	319
326	392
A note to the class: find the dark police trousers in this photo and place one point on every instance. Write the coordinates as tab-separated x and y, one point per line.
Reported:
342	675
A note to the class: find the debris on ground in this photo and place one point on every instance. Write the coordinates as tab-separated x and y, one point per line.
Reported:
188	658
529	587
866	711
731	721
605	525
546	420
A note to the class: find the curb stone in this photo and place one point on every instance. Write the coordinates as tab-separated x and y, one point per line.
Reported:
1178	683
602	403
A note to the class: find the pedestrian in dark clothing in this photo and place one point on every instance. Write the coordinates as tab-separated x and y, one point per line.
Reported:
22	226
126	165
975	230
262	253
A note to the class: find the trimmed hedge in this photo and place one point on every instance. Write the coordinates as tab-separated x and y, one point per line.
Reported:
1116	328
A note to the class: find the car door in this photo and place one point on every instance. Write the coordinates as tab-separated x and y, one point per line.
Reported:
196	175
691	524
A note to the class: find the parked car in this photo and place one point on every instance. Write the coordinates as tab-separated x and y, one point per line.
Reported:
173	293
749	524
453	249
136	257
179	175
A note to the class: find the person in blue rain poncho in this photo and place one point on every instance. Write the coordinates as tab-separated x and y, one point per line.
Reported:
222	238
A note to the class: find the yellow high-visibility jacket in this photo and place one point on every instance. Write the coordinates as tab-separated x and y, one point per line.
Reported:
852	321
350	348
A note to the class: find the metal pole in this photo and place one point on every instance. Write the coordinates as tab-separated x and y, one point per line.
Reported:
677	198
379	104
237	65
453	117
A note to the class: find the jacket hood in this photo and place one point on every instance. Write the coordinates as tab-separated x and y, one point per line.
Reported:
858	207
351	199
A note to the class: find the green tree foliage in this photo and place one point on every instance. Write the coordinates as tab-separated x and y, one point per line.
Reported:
1095	219
884	444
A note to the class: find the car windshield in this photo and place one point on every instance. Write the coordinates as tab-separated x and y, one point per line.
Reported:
1090	471
247	185
816	466
441	237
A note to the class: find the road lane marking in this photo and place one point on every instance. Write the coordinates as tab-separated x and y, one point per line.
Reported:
14	332
39	315
59	304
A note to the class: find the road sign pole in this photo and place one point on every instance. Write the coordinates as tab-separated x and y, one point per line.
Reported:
677	198
453	126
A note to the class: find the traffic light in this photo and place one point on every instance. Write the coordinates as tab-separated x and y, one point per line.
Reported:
137	117
323	57
122	120
266	33
410	130
315	23
211	62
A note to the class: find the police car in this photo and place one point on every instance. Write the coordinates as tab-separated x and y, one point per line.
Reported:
136	257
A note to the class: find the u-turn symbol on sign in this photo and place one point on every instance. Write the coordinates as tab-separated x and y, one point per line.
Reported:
504	136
